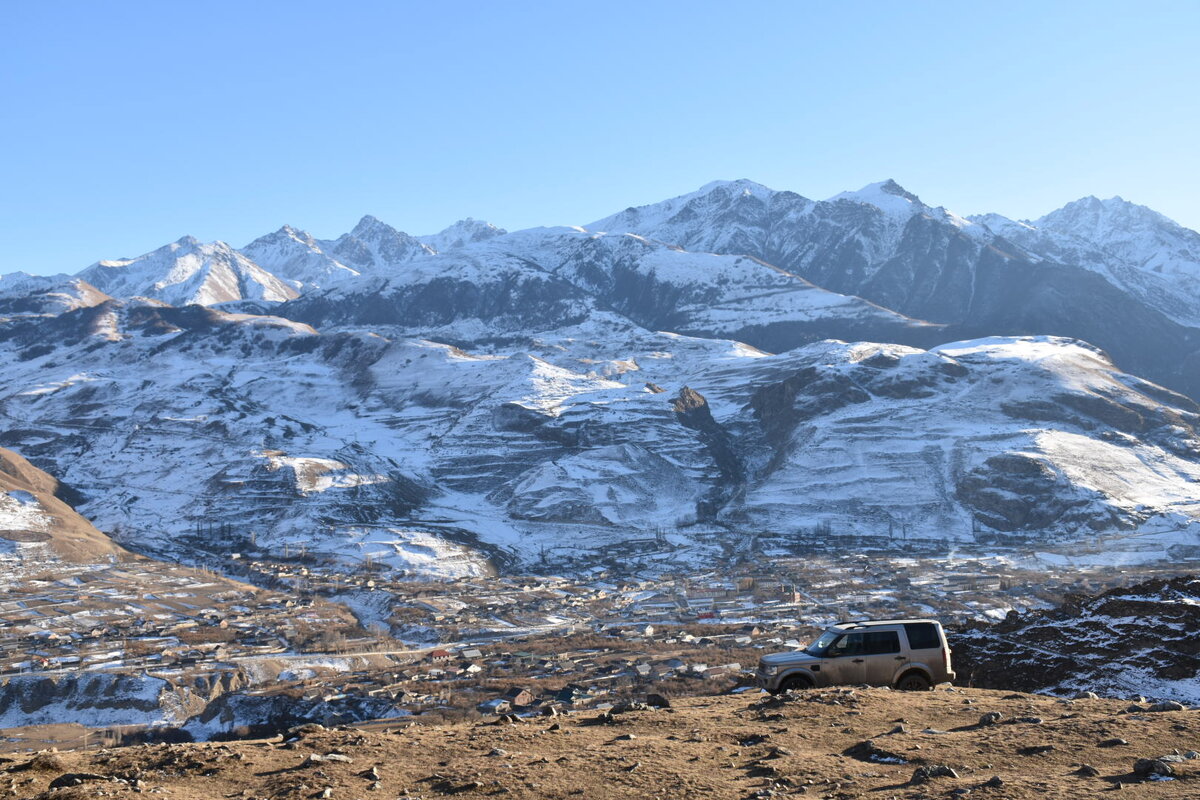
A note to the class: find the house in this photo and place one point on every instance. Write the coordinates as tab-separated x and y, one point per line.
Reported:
518	696
440	655
497	705
572	695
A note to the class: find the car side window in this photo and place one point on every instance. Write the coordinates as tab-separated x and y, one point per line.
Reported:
876	643
922	635
850	644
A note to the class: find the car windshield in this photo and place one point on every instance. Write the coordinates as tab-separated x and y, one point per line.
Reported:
819	647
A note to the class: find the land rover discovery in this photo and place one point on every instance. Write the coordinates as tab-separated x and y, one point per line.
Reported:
910	654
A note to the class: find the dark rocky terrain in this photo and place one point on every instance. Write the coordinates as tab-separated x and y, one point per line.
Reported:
1140	640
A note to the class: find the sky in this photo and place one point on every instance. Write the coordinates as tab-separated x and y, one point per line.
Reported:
126	125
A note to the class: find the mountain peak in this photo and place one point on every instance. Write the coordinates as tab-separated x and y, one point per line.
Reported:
886	195
743	186
371	224
464	232
1092	211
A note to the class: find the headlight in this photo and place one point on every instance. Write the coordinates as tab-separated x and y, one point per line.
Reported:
768	669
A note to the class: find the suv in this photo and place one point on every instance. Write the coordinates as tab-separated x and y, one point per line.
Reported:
909	654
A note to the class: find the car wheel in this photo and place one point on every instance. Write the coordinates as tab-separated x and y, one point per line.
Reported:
914	682
795	683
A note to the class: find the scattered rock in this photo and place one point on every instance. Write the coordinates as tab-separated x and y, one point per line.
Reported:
1134	709
658	701
305	729
1167	705
991	718
869	751
923	774
1087	696
625	737
76	778
498	751
1147	767
993	782
318	758
1036	750
1114	742
1087	771
1029	720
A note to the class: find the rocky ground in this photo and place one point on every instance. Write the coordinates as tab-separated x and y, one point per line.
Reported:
833	743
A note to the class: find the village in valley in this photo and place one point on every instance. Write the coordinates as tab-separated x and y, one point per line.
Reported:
365	644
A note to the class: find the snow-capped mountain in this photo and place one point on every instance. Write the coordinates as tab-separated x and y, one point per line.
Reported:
976	277
296	257
460	234
881	243
373	247
188	271
545	278
1135	248
734	362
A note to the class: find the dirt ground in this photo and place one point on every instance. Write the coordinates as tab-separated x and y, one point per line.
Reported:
742	746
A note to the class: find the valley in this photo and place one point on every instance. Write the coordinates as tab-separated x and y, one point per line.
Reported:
401	477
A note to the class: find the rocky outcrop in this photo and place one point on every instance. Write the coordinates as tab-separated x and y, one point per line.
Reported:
1125	642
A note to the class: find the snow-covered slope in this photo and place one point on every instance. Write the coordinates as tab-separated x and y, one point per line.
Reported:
700	366
296	257
881	242
374	247
979	277
22	293
1137	249
992	438
544	278
349	444
35	520
460	234
188	271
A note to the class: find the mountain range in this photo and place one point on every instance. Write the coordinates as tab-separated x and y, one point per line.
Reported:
733	362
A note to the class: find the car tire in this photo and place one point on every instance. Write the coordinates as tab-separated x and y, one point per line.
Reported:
914	682
795	683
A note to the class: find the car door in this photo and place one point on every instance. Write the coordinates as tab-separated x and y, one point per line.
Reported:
881	654
845	662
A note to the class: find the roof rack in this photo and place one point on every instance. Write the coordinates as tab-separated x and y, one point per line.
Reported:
898	620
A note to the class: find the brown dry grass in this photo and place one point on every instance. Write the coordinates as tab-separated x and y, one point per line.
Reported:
703	748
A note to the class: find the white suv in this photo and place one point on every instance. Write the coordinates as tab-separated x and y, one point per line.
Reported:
909	654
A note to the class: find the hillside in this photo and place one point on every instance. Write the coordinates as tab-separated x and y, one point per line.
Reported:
734	364
852	743
1138	639
33	515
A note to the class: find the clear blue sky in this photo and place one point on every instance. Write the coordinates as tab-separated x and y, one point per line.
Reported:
124	125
